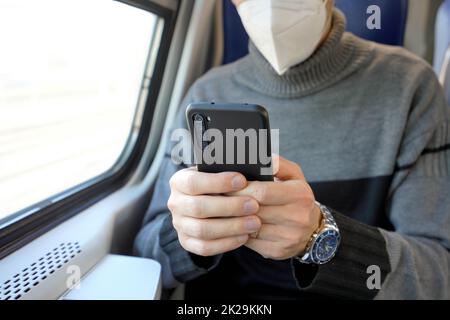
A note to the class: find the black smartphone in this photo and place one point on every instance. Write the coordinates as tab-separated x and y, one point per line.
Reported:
231	137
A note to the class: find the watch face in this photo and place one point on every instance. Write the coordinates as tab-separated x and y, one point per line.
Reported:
325	246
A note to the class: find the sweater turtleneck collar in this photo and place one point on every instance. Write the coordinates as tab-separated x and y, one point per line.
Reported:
340	55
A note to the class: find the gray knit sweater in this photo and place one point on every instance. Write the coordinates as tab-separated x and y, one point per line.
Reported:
370	128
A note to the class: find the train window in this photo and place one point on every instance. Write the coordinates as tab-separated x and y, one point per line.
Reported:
74	84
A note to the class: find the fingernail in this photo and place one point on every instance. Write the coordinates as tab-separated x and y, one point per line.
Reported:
250	206
252	225
238	182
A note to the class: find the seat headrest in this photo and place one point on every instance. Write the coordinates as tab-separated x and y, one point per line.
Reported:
392	14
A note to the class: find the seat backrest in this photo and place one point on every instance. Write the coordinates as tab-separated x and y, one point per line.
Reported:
392	19
234	35
442	35
393	14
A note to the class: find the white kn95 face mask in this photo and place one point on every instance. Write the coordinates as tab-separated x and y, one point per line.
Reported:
286	32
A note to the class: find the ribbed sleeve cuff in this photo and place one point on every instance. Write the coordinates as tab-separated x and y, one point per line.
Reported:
348	275
182	265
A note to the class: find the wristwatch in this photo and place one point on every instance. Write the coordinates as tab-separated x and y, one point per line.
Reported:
324	242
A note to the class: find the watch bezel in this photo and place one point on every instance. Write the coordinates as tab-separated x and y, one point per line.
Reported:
317	241
328	224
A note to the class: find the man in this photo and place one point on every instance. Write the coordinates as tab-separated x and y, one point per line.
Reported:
366	130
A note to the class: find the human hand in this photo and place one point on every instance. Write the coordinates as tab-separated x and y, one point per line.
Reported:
287	211
207	221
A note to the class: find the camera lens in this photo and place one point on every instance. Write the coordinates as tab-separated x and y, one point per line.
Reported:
198	118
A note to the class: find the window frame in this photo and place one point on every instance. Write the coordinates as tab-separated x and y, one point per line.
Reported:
20	228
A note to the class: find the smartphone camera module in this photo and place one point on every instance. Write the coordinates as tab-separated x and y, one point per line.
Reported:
198	118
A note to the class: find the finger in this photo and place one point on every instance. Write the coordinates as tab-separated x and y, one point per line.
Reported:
287	170
192	182
268	249
212	247
211	229
287	215
276	193
202	207
272	232
282	234
272	214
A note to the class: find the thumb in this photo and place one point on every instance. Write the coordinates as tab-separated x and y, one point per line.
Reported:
285	169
